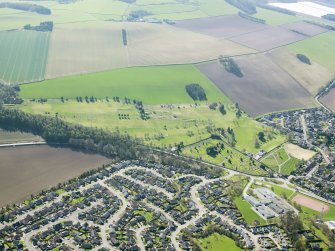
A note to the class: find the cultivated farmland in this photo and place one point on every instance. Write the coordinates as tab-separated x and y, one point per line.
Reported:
267	39
23	56
7	137
329	100
264	88
319	49
152	44
221	26
76	49
304	28
152	85
28	170
312	77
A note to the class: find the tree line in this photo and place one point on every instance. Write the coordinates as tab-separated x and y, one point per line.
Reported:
27	7
54	130
43	26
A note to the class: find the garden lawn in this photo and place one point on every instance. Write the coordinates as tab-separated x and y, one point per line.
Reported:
217	242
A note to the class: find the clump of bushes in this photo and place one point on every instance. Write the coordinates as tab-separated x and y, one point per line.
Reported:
304	59
196	92
231	66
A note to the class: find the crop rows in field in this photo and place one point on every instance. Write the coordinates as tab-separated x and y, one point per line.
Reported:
23	56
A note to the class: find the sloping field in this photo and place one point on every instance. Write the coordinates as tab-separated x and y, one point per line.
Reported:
152	85
267	39
85	47
221	26
23	56
304	28
152	44
28	170
312	77
264	88
319	49
329	100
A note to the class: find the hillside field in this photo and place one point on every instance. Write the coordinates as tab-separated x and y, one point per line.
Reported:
319	49
312	77
167	126
152	85
23	56
85	47
264	88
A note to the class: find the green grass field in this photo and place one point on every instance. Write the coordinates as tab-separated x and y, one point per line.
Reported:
167	124
248	214
275	18
319	49
228	157
152	85
217	242
23	56
280	162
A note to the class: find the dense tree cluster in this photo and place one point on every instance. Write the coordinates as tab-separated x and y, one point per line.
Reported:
54	130
196	92
244	5
330	17
138	14
44	26
26	7
304	59
222	109
124	37
214	151
231	66
292	225
9	94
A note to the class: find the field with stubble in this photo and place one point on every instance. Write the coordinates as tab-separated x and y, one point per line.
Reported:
30	169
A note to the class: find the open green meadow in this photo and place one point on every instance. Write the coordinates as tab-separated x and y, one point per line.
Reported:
152	85
168	124
319	49
217	242
23	56
280	161
228	157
